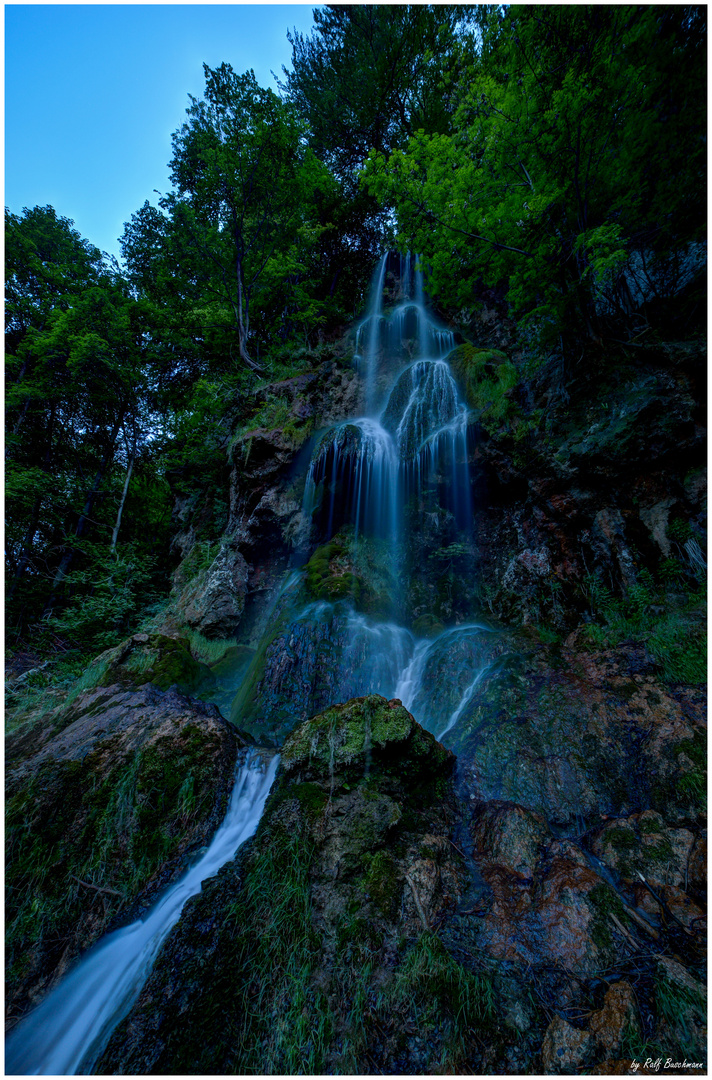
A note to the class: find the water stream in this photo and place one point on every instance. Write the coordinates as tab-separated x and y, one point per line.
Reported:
376	484
68	1031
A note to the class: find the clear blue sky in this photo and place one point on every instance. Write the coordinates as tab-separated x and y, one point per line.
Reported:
93	94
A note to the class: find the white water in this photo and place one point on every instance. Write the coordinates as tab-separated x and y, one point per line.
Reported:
70	1029
404	465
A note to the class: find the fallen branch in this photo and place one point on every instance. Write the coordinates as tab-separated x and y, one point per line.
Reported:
642	923
418	905
457	849
664	907
97	888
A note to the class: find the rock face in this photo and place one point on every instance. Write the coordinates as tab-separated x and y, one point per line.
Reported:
102	810
327	920
577	735
214	601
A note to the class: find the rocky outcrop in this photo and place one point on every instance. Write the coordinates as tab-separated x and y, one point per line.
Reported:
103	807
317	950
579	736
213	602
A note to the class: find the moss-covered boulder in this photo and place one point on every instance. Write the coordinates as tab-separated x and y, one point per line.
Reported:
317	951
346	739
104	813
150	658
487	378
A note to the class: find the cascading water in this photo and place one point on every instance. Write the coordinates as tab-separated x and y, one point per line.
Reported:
381	481
366	469
68	1031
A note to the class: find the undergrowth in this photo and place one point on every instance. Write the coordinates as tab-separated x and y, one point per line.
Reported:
672	629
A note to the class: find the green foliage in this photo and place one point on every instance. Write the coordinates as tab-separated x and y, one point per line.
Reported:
369	76
676	640
441	995
110	827
107	596
283	1024
488	379
240	228
543	179
684	1012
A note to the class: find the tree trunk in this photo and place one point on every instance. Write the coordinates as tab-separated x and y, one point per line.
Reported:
24	560
115	534
84	517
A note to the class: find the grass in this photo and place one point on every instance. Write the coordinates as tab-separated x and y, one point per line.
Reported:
207	651
111	825
286	1026
681	1009
443	997
673	632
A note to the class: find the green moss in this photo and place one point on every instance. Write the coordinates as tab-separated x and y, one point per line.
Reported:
311	797
114	829
447	1002
487	378
382	882
342	734
605	902
342	570
621	840
161	660
428	626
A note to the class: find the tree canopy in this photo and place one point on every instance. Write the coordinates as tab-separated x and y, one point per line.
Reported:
575	145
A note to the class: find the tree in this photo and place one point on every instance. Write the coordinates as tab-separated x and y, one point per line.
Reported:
550	178
370	75
79	359
239	214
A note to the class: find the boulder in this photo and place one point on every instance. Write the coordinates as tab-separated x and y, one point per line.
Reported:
317	950
105	811
213	602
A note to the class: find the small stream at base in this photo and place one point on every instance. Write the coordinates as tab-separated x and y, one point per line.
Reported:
69	1030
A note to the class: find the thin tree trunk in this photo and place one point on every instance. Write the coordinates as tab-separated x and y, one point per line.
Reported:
115	534
24	561
84	516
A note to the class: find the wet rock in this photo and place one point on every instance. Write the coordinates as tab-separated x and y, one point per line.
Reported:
643	844
566	1049
578	735
609	544
315	951
615	1020
105	811
510	836
697	867
214	601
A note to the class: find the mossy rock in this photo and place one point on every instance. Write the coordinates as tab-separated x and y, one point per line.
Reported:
487	378
108	809
153	658
344	570
428	625
345	736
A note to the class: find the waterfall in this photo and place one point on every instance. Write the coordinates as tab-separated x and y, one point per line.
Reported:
68	1031
370	329
386	478
364	471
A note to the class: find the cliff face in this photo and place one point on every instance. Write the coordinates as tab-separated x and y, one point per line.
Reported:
521	886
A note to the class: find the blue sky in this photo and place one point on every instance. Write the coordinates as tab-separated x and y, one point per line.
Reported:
93	94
